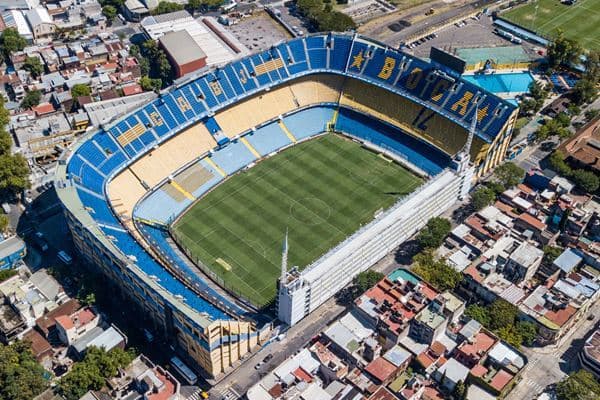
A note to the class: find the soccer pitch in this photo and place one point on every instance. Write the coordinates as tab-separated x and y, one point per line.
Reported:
579	21
322	191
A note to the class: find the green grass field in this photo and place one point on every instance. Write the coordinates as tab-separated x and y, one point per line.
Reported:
322	191
580	21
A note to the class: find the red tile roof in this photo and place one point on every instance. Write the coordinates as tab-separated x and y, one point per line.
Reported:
64	321
166	392
301	374
482	343
500	380
43	109
560	317
381	369
479	370
131	90
532	221
382	394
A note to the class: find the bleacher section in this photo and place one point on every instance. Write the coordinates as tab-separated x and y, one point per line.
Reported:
419	153
309	122
176	128
255	111
173	154
233	157
268	139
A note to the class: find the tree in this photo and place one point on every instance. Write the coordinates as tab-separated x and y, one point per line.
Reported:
14	173
586	180
150	84
110	12
436	272
591	114
511	335
460	391
90	374
580	385
478	313
557	162
11	41
563	51
502	314
34	66
31	99
509	174
6	274
592	65
563	119
482	197
528	332
80	89
365	280
585	91
551	253
21	376
434	232
165	7
3	222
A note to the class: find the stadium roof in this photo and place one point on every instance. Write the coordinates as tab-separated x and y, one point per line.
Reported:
181	47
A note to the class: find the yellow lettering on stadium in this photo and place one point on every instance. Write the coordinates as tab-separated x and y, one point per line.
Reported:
463	103
215	87
388	68
438	90
414	78
243	78
482	112
357	60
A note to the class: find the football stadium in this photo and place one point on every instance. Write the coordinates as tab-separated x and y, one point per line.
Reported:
272	181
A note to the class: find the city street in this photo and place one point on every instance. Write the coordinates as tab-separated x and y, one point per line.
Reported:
550	364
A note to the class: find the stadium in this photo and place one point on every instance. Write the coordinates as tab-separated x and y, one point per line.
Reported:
347	145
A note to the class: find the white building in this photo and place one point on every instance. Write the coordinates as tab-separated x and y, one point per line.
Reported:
300	293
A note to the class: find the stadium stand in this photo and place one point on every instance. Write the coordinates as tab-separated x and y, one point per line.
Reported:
143	148
247	114
268	138
173	154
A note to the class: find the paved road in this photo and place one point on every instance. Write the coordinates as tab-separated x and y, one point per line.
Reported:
549	365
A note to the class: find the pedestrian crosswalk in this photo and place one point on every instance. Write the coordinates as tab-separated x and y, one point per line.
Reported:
536	387
197	395
227	394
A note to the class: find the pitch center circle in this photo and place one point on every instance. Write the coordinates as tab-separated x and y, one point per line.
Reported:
310	211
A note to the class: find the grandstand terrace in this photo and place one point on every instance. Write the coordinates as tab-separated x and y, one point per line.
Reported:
153	163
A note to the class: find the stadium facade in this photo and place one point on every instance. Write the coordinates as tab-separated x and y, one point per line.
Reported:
122	185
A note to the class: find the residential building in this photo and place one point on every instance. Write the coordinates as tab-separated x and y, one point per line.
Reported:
71	328
589	356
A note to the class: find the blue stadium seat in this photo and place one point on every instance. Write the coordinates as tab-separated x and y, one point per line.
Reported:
166	115
221	77
91	179
233	79
212	125
75	165
173	107
318	58
97	207
161	129
91	152
419	153
263	79
339	55
315	42
158	238
309	122
268	138
130	247
105	142
113	162
161	207
192	98
208	94
233	157
243	72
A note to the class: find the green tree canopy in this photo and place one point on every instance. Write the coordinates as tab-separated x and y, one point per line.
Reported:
563	51
586	180
557	162
364	281
551	253
31	99
34	66
478	313
436	272
148	83
14	171
90	374
21	376
509	174
165	7
80	89
580	385
323	17
482	197
11	41
592	65
433	234
585	91
502	314
110	12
